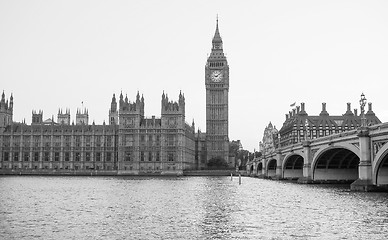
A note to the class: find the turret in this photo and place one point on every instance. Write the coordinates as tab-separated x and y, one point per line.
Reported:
6	111
37	117
136	107
173	113
182	101
131	113
113	104
121	98
82	117
113	113
172	107
63	118
3	97
11	102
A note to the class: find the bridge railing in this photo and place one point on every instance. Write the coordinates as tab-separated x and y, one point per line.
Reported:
330	137
383	127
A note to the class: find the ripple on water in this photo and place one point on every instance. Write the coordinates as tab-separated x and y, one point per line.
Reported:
185	208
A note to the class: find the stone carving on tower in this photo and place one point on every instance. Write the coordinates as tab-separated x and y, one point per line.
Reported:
217	90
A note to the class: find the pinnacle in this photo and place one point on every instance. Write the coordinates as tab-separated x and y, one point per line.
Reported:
217	37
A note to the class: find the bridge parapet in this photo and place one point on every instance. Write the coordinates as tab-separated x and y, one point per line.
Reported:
379	127
378	130
338	137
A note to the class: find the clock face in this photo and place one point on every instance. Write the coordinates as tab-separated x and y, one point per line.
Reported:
216	76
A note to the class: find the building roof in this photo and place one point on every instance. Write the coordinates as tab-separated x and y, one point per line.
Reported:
21	127
300	119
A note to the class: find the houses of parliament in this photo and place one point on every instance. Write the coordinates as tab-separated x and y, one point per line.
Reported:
129	143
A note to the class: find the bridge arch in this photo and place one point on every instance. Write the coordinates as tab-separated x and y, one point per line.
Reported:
380	166
293	166
271	168
336	163
259	168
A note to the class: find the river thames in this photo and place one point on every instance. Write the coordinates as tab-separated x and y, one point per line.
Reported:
48	207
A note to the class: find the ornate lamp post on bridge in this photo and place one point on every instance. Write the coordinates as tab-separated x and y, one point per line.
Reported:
306	124
364	181
362	105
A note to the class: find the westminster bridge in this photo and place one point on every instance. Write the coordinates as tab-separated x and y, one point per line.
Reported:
359	156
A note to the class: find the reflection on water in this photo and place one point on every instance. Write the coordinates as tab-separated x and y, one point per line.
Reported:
185	208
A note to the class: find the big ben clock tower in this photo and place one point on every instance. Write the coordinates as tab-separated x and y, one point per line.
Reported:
217	89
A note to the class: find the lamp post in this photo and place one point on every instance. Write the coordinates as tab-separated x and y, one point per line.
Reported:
306	124
362	105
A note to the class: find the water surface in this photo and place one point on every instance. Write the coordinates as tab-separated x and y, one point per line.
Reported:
49	207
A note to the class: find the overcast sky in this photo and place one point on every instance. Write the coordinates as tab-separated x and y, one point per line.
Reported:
57	54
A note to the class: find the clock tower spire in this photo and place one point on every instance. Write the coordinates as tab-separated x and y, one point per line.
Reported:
217	95
217	40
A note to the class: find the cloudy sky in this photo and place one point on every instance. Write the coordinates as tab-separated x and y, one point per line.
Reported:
57	54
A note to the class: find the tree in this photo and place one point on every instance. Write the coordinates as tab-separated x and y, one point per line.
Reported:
258	154
234	147
217	162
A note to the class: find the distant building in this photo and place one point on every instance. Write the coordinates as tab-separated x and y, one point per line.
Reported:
270	140
298	123
200	150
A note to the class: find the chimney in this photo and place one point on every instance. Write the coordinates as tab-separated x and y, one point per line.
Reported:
297	109
302	110
323	112
348	110
370	111
286	116
355	112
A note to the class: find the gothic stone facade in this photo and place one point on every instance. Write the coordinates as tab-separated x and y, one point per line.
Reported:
130	144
